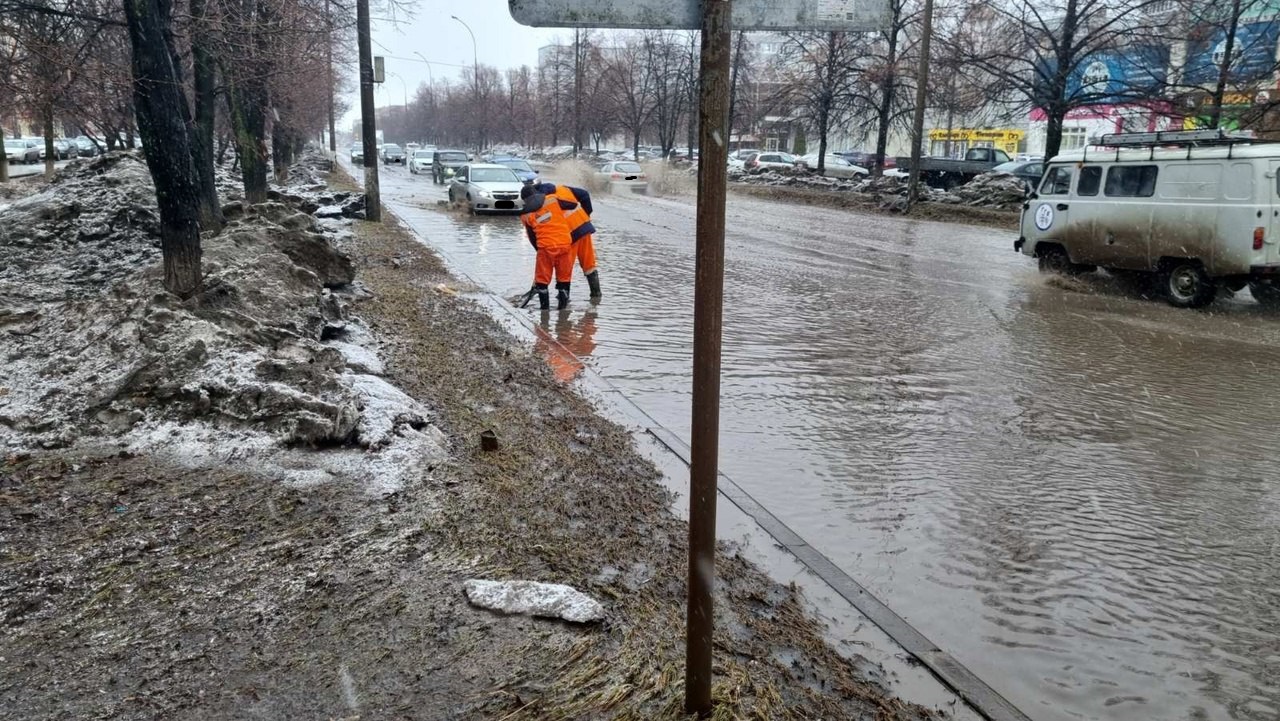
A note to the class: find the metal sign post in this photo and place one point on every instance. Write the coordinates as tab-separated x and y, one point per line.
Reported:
716	19
368	121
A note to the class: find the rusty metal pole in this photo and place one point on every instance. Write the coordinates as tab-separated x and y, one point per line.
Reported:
708	305
917	123
368	123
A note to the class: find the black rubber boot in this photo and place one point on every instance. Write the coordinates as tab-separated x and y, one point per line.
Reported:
562	296
544	298
593	282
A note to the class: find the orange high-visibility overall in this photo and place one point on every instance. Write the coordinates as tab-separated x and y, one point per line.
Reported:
548	227
581	230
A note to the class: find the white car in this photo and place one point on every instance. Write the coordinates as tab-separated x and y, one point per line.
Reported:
623	175
771	160
420	161
17	151
485	187
834	166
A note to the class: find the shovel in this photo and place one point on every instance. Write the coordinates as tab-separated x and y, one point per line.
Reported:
524	300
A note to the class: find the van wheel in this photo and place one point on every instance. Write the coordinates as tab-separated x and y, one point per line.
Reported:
1266	292
1186	284
1054	259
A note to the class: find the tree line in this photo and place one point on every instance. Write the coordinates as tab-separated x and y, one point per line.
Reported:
191	79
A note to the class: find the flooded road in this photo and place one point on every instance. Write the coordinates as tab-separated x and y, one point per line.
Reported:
1071	489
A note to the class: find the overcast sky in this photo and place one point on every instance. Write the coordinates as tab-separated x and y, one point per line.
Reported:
500	42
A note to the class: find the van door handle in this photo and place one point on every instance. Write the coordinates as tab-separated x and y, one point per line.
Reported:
1062	206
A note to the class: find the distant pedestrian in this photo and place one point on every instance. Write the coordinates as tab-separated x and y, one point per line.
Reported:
546	222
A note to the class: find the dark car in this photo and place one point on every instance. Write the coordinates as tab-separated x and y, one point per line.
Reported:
445	163
1028	171
524	171
864	159
392	153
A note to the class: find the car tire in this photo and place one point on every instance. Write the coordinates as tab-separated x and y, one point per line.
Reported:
1054	259
1266	292
1186	284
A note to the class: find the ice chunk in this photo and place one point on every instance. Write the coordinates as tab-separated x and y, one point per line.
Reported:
551	600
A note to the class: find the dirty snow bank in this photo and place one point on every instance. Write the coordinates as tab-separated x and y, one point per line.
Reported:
990	190
264	364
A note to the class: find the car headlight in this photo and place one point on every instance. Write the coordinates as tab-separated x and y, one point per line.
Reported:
484	194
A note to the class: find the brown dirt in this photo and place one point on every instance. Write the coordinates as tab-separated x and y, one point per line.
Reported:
1005	219
131	589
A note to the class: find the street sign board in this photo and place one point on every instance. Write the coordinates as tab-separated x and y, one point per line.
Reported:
851	15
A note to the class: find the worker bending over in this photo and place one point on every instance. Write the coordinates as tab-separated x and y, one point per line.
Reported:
580	229
546	222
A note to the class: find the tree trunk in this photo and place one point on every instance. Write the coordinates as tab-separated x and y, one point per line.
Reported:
1053	130
50	152
1224	72
1056	113
247	100
733	85
824	119
202	125
280	152
157	99
887	91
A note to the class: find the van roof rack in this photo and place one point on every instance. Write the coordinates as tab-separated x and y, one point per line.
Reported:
1173	137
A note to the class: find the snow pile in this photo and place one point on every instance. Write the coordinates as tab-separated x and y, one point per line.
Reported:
262	364
992	190
989	190
549	600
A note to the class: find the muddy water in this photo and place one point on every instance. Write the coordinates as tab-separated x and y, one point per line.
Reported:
1071	489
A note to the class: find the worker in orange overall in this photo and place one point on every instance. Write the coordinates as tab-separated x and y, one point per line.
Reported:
546	222
580	229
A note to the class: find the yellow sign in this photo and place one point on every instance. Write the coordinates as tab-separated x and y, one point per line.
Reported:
1006	139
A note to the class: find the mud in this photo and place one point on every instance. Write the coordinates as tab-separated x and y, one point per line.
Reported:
235	552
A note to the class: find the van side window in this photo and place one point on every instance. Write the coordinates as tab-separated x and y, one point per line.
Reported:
1090	181
1131	181
1057	181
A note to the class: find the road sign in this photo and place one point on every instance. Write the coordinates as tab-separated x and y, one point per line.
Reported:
851	15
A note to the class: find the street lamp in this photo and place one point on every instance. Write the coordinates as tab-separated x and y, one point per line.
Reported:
475	62
430	79
403	86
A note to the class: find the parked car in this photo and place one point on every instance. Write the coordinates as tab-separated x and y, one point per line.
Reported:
86	147
772	160
391	153
420	162
485	187
623	175
444	163
16	150
357	152
946	173
523	170
739	156
865	159
833	166
410	148
1029	172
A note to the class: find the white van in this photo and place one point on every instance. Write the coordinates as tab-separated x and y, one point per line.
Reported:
1199	209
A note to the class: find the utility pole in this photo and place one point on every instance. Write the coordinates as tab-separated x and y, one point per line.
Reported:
369	131
328	55
917	123
708	312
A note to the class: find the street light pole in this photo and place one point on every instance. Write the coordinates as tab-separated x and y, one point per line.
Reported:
475	64
431	92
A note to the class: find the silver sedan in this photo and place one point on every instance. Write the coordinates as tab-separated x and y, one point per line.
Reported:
486	187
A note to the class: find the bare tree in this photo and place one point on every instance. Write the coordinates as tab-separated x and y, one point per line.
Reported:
629	84
820	73
1041	51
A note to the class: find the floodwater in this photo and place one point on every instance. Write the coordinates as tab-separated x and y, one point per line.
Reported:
1072	489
